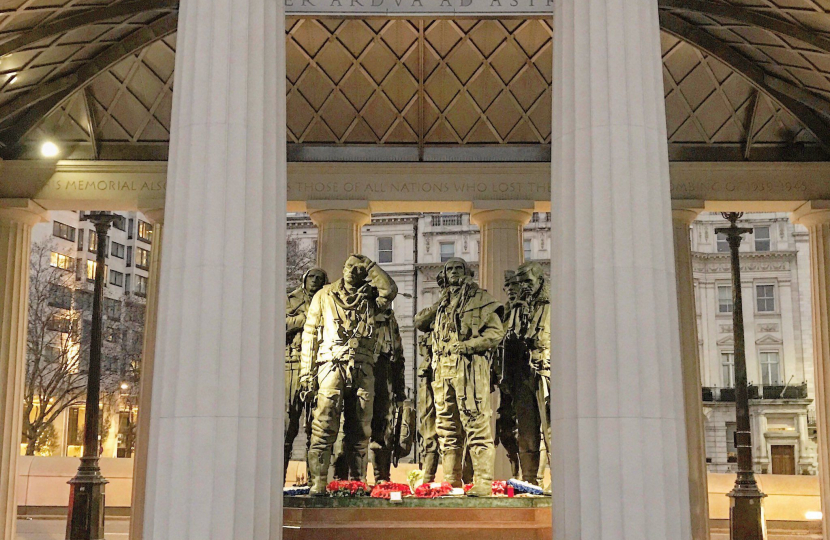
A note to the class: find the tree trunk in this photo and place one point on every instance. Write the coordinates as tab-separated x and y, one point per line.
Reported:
31	447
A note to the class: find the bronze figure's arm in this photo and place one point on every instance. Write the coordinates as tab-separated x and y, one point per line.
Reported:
311	329
424	319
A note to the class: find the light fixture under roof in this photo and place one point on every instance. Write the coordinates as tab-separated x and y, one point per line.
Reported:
49	149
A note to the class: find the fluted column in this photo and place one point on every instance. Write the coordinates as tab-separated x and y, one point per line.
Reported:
816	217
502	243
620	464
339	227
17	217
690	361
145	393
214	469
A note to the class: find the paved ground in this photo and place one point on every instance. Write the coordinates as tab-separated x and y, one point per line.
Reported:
117	528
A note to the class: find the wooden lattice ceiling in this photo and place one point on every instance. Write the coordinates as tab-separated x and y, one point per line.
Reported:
744	79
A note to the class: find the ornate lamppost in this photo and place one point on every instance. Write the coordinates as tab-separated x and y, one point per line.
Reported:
86	492
746	514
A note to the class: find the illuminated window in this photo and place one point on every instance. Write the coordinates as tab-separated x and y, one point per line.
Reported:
61	230
731	449
142	258
145	231
90	270
385	250
64	262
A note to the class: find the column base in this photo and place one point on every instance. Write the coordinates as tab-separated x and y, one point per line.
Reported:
86	502
746	514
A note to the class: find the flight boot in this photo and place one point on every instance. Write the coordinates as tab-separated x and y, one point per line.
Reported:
530	466
484	461
318	472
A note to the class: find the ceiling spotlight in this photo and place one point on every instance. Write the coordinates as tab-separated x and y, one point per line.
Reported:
124	386
49	149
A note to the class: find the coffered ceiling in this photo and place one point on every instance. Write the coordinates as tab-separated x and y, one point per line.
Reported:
744	80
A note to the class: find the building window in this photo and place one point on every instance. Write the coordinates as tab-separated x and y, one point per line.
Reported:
385	249
762	239
129	229
118	223
770	369
724	299
141	285
116	278
61	230
727	362
60	297
145	231
80	242
447	251
142	258
90	270
765	296
64	262
528	249
117	250
93	243
112	309
129	256
723	245
731	449
127	288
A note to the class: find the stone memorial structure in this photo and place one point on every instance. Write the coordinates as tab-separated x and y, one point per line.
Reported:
624	116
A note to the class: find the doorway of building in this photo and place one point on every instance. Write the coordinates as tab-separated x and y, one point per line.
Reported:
783	459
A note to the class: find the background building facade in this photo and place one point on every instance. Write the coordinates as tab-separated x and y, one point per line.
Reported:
65	248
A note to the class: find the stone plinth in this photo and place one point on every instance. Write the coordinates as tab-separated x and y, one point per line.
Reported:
490	518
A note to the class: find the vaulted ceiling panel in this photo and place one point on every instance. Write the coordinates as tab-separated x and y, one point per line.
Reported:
734	86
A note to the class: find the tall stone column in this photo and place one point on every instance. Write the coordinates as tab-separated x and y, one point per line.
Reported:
215	461
501	230
690	365
145	393
17	216
815	216
339	227
502	245
620	463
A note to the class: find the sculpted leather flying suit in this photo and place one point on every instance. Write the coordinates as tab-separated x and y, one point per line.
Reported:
467	326
338	357
296	307
530	321
390	388
507	421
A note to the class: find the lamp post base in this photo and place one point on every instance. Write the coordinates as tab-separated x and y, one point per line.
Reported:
746	514
86	502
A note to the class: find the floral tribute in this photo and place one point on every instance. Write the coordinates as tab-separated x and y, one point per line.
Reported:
525	487
383	491
499	487
295	491
347	488
433	490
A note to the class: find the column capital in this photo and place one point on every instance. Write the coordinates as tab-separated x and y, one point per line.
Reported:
156	215
324	212
23	211
485	212
686	211
812	213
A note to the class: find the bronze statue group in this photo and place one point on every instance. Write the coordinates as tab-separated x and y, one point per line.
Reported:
344	371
